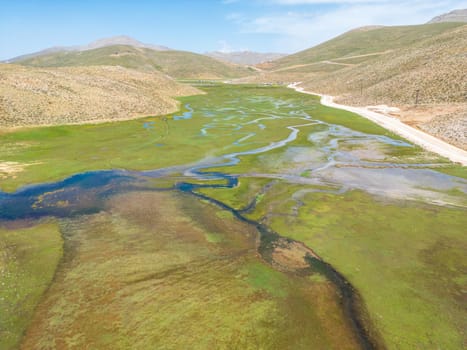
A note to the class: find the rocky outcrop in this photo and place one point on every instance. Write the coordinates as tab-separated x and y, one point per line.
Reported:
451	128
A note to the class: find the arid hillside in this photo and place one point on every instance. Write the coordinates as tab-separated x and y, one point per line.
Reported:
391	65
104	42
434	69
177	64
420	69
73	95
427	80
362	44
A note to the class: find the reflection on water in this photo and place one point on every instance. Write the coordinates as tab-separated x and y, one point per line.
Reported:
335	156
329	158
149	125
393	182
185	115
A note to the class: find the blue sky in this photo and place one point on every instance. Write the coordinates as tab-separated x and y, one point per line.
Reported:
201	25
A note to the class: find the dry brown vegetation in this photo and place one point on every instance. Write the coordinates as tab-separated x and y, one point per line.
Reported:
451	127
447	121
436	67
420	69
177	64
435	70
75	95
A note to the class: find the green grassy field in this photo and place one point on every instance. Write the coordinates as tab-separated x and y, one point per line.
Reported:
147	273
405	258
28	259
52	153
167	270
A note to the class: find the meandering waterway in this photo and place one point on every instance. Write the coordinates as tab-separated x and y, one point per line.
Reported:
324	156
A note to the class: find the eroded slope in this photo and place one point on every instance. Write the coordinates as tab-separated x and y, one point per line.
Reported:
76	95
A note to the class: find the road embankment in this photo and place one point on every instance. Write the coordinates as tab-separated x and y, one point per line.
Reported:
416	136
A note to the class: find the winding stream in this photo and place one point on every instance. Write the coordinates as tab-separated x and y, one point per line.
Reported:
331	166
86	193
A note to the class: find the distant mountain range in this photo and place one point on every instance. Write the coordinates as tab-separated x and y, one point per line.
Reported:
177	64
121	40
239	57
245	57
395	65
453	16
105	42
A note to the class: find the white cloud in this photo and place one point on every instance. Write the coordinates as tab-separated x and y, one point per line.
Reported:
297	30
305	2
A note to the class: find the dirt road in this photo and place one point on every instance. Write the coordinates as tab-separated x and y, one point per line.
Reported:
416	136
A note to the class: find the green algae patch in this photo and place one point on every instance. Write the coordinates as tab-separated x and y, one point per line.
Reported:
28	260
454	170
224	214
262	277
238	197
213	237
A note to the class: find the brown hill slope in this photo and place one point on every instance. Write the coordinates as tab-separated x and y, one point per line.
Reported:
435	67
75	95
427	80
382	65
364	43
177	64
420	69
104	42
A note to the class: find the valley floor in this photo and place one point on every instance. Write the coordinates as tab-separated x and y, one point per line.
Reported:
255	218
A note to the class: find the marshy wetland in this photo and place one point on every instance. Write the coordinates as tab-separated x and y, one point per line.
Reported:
254	218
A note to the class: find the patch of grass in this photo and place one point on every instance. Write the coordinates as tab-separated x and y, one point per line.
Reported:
262	277
454	170
28	259
56	152
406	260
213	237
239	196
142	275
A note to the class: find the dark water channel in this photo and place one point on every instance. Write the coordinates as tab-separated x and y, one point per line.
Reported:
87	193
